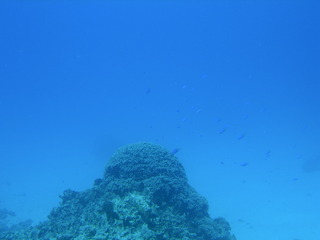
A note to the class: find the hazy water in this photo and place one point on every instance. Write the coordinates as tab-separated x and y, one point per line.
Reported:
233	84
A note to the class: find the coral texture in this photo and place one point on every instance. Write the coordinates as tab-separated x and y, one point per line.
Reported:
144	194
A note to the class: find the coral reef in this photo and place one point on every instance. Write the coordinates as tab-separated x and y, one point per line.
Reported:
144	194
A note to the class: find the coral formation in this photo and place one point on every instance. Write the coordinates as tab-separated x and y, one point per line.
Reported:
144	194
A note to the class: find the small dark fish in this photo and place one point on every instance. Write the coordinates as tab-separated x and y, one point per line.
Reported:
148	91
244	164
241	137
175	151
268	153
223	130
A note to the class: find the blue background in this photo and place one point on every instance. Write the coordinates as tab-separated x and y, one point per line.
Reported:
233	84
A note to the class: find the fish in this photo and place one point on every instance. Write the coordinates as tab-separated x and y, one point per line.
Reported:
148	91
175	151
223	130
244	164
241	137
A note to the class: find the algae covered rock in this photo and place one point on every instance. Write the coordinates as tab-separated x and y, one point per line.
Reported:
144	194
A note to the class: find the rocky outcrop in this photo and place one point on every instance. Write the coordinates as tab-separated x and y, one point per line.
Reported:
144	194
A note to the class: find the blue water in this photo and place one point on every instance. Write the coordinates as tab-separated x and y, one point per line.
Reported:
234	85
